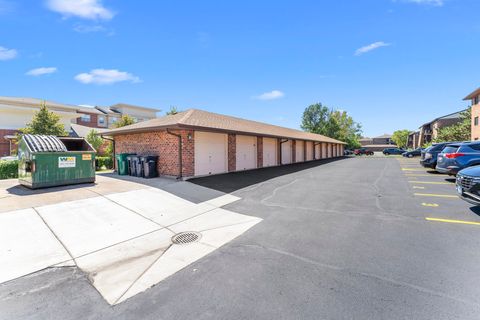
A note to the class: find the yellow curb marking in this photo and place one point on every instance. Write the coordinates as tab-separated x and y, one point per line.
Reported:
429	204
422	175
430	182
435	195
453	221
413	169
417	187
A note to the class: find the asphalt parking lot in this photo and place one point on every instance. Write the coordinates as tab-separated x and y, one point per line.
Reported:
354	238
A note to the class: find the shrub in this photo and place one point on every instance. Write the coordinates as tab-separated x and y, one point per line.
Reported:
8	169
104	163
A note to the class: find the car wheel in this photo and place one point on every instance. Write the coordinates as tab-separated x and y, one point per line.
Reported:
410	155
386	153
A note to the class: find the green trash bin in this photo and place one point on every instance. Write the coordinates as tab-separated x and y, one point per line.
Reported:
122	164
48	161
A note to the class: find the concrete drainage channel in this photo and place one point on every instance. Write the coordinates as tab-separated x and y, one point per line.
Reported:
187	237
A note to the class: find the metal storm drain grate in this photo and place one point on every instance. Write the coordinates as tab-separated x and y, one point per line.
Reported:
186	237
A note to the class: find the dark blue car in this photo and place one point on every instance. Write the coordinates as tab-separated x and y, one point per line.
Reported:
457	156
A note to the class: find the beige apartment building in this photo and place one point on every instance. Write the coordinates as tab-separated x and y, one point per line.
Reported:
16	112
474	97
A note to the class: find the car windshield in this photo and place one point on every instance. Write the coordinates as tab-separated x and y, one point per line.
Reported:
437	147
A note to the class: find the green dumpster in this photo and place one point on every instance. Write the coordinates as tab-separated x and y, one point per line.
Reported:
47	161
122	164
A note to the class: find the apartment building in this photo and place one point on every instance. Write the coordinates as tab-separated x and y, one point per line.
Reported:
474	97
16	112
429	130
413	140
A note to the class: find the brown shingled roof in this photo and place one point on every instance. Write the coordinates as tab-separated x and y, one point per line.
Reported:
199	119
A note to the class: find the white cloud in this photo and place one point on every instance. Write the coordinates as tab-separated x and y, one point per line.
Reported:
41	71
106	76
7	54
371	47
437	3
86	9
272	95
80	28
86	29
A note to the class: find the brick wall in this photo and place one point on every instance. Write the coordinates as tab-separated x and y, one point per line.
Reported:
165	146
475	131
93	123
232	152
259	152
294	151
4	143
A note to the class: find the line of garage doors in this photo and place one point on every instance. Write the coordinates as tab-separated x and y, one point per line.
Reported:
211	152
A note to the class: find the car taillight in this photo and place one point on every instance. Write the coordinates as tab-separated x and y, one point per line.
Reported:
453	155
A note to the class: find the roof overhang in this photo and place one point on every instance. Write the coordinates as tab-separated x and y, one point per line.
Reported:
116	132
472	95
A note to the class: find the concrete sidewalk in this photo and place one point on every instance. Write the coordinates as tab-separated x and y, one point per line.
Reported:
122	240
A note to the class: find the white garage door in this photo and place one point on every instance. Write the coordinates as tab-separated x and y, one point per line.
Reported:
287	152
299	151
309	146
317	151
269	152
246	151
329	150
210	153
324	150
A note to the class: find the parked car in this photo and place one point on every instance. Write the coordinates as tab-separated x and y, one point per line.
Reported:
414	153
348	152
364	151
429	156
457	156
389	151
468	185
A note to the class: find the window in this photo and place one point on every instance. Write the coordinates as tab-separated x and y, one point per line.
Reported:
112	119
475	146
476	100
101	120
85	118
475	121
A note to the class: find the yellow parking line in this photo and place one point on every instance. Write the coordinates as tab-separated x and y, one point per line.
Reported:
417	187
453	221
429	182
435	205
421	175
435	195
413	169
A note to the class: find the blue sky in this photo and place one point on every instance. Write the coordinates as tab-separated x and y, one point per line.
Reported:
390	64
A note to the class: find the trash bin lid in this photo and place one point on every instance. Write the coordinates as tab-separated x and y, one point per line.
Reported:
44	143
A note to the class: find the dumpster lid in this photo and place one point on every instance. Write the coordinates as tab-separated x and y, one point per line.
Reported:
44	143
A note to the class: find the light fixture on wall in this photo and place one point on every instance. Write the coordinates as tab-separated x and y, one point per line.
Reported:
189	136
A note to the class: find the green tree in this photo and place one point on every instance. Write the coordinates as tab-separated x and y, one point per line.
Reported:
460	131
45	122
400	137
331	123
125	120
94	139
173	110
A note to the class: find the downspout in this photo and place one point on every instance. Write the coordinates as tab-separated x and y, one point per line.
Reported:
282	142
180	164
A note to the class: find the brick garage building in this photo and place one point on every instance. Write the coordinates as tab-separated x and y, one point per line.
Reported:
197	143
